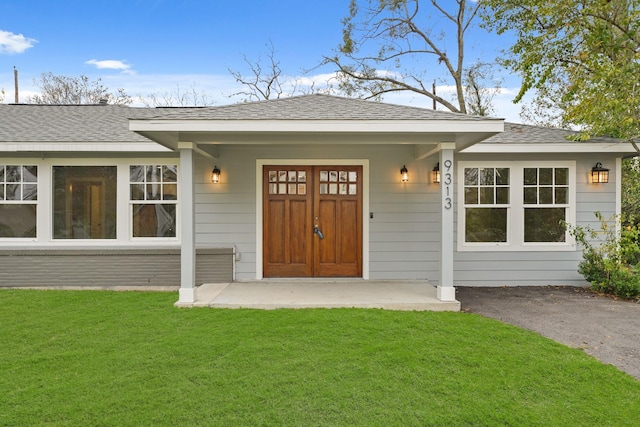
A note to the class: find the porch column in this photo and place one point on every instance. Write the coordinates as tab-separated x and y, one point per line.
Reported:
187	292
445	289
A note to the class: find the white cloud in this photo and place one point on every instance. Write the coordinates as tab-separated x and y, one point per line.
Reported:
14	43
111	64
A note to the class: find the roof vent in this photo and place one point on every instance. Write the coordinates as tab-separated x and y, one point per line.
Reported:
103	101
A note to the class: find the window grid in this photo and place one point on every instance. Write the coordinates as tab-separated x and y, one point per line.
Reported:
153	199
18	183
546	186
18	201
486	186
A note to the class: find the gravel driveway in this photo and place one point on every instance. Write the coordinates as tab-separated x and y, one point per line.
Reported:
604	327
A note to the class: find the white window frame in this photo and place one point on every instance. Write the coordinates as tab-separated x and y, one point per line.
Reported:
515	212
175	202
21	163
124	223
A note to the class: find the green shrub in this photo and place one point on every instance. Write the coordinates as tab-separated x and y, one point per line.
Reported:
611	256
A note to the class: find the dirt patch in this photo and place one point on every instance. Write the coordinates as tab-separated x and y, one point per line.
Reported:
604	327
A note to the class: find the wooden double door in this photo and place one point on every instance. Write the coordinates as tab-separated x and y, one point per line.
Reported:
312	221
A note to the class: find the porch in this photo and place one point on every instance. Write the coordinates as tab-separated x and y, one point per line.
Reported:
322	293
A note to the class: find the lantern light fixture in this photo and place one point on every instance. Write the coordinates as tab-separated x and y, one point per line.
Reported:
435	174
404	173
215	175
599	174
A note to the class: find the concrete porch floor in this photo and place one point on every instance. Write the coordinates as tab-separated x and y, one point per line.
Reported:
321	293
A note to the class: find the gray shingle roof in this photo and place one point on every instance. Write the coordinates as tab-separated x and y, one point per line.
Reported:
69	123
516	133
109	123
314	107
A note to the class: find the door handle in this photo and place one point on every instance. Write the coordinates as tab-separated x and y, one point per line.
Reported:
318	232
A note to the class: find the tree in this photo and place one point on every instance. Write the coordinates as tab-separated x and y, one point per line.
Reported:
631	189
480	88
582	57
383	40
266	80
177	98
59	89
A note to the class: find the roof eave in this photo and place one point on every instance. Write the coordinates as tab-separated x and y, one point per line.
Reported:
550	147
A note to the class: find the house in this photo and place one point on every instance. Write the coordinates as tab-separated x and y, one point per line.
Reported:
309	186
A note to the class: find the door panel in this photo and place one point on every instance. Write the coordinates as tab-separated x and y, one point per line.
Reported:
296	200
287	242
338	207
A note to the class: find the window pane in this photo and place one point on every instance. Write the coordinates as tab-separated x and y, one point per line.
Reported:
486	195
2	169
531	196
502	176
170	192
471	176
137	192
29	174
530	176
153	192
502	195
136	173
84	202
153	173
562	176
170	173
18	220
486	224
545	176
12	173
546	195
12	192
561	196
471	195
154	220
486	176
29	192
544	225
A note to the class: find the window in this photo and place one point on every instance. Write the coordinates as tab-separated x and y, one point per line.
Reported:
515	206
84	202
153	197
486	202
546	199
18	201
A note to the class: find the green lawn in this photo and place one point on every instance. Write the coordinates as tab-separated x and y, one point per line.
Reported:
130	359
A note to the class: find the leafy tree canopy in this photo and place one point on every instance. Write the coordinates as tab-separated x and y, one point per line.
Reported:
582	57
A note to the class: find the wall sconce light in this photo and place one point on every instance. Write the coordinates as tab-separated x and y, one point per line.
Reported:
599	174
435	174
404	172
215	175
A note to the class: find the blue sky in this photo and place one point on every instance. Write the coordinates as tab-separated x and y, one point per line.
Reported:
156	46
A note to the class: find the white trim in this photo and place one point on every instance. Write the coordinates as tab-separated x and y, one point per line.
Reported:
260	163
537	148
515	209
93	147
446	291
314	126
618	186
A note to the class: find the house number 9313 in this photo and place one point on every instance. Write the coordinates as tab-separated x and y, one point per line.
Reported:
447	181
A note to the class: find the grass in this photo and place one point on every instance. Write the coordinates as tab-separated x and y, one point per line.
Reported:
91	358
